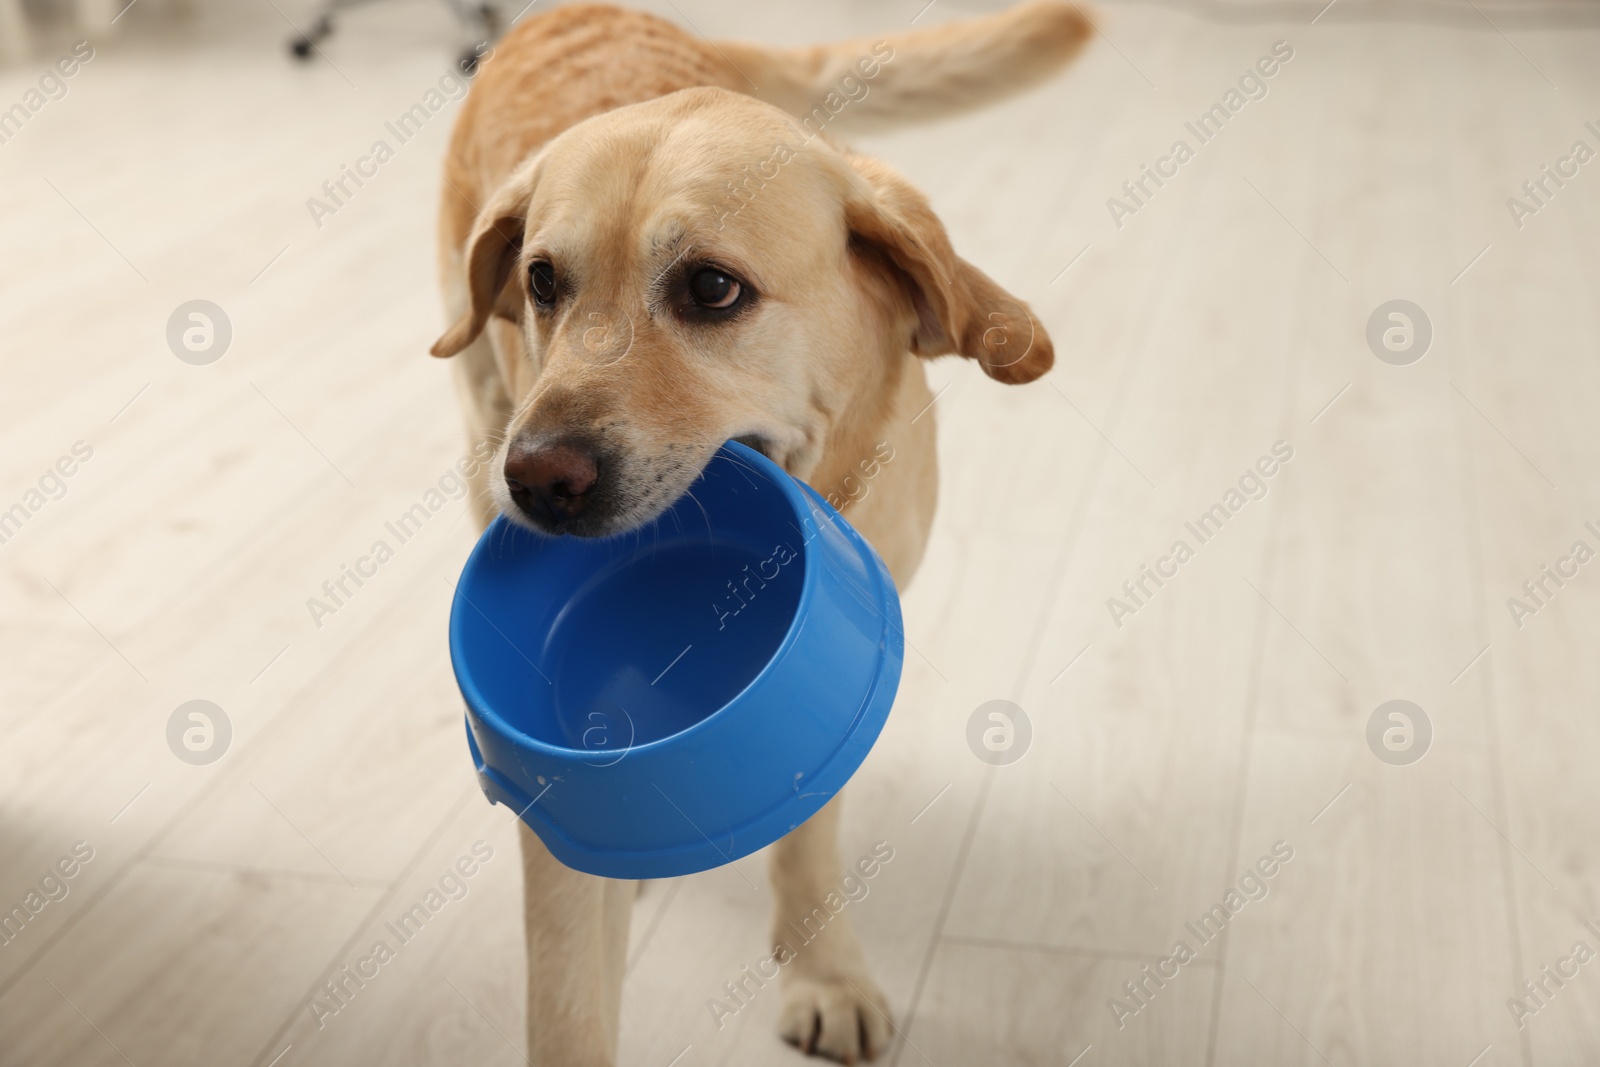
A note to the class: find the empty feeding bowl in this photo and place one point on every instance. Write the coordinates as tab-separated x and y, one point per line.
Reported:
672	699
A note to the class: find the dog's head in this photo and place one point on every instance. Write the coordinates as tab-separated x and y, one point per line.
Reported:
699	268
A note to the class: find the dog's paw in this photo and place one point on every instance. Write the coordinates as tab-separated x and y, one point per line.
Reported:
844	1019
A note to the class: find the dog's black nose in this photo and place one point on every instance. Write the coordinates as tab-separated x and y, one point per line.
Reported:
551	483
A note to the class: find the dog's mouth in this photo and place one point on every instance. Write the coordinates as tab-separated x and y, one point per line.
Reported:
623	494
573	487
757	443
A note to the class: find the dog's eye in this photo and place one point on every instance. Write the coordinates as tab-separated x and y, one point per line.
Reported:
711	288
542	282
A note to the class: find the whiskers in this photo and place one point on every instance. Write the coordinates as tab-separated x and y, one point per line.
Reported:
742	466
690	494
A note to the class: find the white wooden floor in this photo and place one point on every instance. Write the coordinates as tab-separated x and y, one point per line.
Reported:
1168	755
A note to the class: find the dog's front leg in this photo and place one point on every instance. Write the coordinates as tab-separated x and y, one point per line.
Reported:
577	933
831	1005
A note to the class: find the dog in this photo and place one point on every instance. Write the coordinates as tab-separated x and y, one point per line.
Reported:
651	243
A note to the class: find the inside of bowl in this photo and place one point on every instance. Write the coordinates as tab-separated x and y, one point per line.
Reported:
628	640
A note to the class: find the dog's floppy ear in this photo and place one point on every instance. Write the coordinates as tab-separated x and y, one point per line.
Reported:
959	309
491	253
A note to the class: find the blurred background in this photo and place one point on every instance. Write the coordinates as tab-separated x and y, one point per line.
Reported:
1371	674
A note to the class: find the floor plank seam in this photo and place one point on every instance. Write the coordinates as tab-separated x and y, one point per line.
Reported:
1006	945
366	920
276	873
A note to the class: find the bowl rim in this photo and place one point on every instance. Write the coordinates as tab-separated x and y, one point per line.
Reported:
800	506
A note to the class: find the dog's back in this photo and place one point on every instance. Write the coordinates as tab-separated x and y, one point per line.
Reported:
559	68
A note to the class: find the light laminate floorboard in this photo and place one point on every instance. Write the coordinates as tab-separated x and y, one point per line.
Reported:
1168	754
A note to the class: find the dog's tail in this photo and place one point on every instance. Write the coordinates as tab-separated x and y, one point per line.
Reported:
926	74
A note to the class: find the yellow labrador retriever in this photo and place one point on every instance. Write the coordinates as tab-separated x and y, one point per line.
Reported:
651	243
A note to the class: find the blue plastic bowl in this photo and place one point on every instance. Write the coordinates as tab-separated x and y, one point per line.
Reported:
675	698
